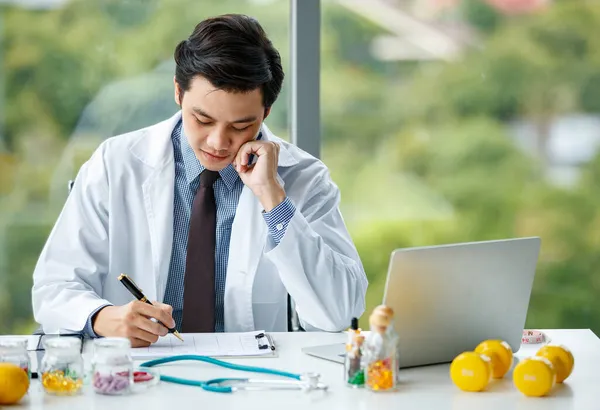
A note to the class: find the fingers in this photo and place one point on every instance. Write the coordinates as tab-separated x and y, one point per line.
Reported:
133	321
163	306
137	326
242	158
155	312
244	155
133	332
259	148
143	323
139	342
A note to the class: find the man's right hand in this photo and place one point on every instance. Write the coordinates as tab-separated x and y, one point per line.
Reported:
133	322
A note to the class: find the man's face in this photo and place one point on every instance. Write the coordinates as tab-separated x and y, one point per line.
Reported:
218	123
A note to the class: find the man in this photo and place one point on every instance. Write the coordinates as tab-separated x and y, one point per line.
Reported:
208	212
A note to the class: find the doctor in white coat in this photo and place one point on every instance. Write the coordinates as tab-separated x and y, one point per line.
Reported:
119	217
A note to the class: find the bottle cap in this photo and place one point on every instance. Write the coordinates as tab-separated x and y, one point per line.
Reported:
379	319
386	310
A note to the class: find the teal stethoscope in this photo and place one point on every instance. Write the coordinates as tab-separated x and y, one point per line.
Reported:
306	382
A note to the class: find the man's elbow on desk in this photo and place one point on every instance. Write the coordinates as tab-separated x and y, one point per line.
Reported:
335	317
329	324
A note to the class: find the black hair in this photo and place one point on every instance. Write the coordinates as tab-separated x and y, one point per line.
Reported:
234	54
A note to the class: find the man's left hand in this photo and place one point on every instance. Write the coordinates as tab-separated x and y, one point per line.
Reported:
261	177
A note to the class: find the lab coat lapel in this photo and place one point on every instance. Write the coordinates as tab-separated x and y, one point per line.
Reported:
158	201
158	191
248	234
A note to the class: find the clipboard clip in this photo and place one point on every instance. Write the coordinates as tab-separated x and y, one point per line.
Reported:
262	346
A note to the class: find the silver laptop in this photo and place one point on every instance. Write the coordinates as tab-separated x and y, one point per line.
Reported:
449	298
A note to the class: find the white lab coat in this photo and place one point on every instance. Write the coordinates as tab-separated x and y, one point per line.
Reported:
119	219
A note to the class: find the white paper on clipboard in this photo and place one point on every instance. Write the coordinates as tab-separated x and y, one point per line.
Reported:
247	344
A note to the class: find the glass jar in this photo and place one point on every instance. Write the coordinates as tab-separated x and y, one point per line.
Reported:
14	350
392	334
62	366
353	371
380	355
112	366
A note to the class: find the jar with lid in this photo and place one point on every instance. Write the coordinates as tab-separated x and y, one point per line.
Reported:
391	331
14	350
112	366
62	366
381	353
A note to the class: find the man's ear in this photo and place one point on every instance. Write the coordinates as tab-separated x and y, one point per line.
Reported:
267	112
178	93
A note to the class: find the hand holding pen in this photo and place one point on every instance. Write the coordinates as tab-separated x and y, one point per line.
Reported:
134	320
166	322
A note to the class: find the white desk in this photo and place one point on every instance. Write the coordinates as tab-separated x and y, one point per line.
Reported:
420	388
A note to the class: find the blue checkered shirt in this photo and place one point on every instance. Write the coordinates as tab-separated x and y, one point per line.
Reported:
228	189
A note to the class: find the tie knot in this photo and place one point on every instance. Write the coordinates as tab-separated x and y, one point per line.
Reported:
208	178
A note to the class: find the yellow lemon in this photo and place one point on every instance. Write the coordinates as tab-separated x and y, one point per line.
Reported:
14	383
534	376
500	353
471	371
561	358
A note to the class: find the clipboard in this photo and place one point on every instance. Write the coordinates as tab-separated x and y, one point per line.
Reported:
217	345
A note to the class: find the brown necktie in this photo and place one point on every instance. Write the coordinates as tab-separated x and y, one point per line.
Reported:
199	279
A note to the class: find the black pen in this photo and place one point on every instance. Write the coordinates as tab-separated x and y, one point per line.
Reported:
137	293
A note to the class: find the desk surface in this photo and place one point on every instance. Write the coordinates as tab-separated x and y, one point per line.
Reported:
427	387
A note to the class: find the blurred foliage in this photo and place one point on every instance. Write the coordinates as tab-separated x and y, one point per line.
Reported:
422	151
446	127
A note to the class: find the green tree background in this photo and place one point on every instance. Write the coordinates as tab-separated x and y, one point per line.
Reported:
435	136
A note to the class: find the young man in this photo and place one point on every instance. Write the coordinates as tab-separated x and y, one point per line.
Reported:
208	212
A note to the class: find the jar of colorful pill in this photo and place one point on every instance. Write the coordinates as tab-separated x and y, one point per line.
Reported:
14	350
62	366
380	359
112	366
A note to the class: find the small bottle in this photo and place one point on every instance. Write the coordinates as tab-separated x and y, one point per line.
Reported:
62	366
112	366
380	354
354	375
14	350
391	331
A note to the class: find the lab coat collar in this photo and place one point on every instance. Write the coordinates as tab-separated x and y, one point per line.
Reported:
286	159
159	151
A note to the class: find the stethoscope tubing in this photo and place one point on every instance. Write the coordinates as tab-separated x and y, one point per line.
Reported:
214	385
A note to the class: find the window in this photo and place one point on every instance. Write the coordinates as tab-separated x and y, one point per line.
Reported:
442	121
452	121
74	73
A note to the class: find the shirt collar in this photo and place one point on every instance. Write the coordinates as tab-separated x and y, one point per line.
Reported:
193	167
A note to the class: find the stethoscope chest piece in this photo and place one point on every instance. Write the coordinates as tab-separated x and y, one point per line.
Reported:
312	381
